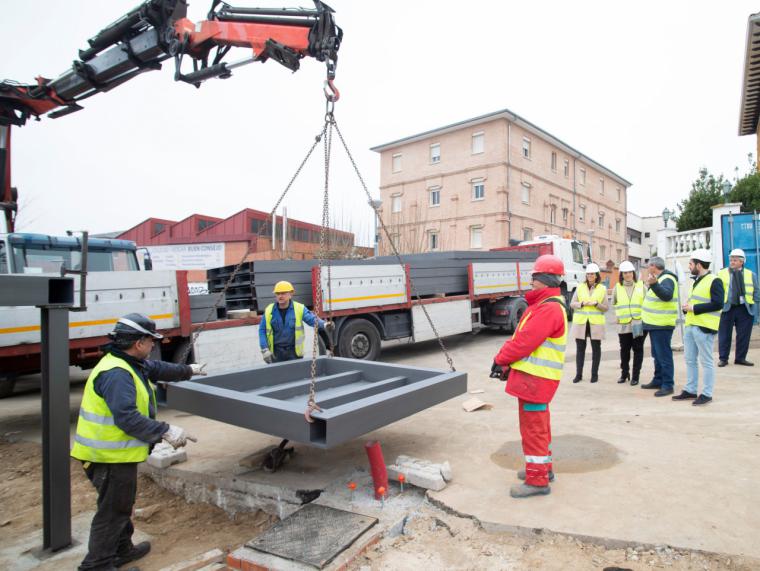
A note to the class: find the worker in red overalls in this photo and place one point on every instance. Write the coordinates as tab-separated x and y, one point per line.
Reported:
534	358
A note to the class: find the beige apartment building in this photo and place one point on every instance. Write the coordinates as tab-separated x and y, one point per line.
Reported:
495	179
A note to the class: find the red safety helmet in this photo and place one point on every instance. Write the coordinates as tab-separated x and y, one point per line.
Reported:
549	264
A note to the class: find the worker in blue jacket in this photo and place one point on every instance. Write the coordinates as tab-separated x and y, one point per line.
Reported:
281	332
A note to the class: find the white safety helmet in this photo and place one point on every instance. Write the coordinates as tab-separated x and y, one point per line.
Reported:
701	255
627	267
738	253
592	268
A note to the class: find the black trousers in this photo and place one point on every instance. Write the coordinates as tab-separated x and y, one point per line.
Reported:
287	353
627	342
580	356
736	316
111	529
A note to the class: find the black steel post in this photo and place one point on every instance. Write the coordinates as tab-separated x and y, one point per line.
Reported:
56	481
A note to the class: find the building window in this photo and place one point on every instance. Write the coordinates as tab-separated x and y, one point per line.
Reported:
553	214
581	213
478	143
158	227
478	189
554	161
203	224
396	163
618	193
527	233
565	213
646	234
433	241
582	176
617	224
602	252
601	186
435	196
566	168
601	220
396	203
435	153
526	148
525	193
476	237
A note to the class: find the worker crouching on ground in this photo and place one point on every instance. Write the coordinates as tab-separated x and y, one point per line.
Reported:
535	356
740	307
281	335
659	312
702	309
627	298
115	431
589	304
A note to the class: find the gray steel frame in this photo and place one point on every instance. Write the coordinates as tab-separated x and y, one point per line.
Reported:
356	397
54	296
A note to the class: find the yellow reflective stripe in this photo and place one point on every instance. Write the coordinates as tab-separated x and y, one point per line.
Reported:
96	418
108	444
109	321
366	297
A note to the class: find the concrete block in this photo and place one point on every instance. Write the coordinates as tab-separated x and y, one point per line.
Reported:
421	473
198	562
164	455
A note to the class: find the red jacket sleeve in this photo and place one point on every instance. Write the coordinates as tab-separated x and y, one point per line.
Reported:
546	320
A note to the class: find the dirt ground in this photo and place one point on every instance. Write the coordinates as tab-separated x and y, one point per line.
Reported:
179	530
433	539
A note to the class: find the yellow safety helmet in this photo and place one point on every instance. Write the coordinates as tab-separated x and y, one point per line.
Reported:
283	287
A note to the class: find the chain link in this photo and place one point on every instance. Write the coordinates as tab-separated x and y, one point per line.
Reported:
394	248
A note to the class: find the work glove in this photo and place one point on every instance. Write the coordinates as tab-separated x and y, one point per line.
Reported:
198	369
637	328
177	436
266	354
499	372
330	327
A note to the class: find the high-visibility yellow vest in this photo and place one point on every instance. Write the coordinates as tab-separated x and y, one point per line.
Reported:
701	294
654	311
590	312
628	309
97	438
548	358
298	309
749	285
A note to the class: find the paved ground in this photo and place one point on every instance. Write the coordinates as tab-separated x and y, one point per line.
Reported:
630	467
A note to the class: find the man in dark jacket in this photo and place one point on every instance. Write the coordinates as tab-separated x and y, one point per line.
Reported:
659	314
116	429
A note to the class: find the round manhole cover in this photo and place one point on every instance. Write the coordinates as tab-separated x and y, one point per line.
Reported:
570	453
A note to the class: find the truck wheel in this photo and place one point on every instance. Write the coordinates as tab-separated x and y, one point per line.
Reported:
7	384
516	310
359	339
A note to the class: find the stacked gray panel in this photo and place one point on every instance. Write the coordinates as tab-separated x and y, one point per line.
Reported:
433	273
207	307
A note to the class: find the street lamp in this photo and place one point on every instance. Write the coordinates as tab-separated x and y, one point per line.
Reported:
375	204
667	215
726	188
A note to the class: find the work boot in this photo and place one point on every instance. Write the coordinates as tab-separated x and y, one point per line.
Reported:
650	385
685	396
137	551
722	363
624	378
578	378
521	475
745	363
702	399
663	392
526	490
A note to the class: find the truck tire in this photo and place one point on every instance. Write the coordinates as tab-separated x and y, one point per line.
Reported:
359	339
516	310
7	384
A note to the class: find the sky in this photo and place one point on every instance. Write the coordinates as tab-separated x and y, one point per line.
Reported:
651	90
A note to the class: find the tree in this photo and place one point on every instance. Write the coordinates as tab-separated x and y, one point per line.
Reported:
747	191
696	210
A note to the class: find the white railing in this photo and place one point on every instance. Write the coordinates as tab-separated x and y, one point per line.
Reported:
679	245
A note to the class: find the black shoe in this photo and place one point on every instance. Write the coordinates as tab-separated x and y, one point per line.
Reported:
594	379
722	363
137	551
745	363
702	399
634	382
624	378
685	396
577	379
650	386
663	392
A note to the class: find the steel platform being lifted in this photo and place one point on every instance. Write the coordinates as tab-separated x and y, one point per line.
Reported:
356	397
